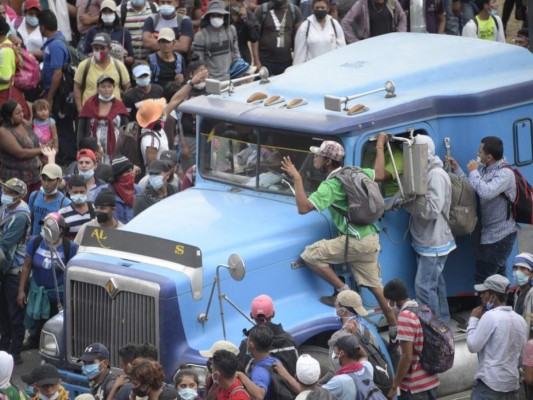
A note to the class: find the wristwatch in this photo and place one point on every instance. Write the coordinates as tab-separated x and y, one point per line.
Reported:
189	82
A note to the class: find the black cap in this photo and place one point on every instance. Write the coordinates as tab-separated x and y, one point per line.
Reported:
45	374
169	155
95	351
105	198
158	166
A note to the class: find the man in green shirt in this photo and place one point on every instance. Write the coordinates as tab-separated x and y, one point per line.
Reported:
363	241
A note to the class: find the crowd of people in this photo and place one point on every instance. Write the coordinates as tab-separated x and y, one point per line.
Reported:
117	145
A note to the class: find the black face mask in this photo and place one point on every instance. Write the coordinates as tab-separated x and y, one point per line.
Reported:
139	392
320	14
102	218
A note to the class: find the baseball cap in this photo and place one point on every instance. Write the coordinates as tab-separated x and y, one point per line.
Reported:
220	345
150	110
42	375
349	298
104	78
105	198
497	283
166	34
329	149
141	70
522	260
348	344
15	185
262	305
110	4
307	369
32	4
158	166
52	171
169	155
86	153
94	351
101	39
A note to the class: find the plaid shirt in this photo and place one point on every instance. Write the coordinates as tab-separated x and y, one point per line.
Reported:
490	183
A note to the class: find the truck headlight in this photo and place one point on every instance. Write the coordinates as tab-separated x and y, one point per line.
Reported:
48	344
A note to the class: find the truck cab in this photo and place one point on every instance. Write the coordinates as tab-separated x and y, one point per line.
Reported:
152	280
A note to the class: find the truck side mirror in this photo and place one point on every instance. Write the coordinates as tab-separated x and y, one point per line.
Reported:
236	267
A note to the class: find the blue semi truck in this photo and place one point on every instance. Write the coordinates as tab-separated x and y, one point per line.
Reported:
152	280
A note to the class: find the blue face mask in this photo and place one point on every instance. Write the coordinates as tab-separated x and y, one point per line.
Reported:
137	3
91	371
167	10
7	200
48	193
188	394
493	11
78	198
32	21
88	174
489	306
520	278
156	181
143	82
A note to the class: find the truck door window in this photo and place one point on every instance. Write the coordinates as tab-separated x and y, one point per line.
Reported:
523	142
250	157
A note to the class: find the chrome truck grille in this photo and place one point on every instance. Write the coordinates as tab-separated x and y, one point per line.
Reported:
110	309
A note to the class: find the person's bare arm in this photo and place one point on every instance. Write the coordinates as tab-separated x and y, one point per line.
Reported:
403	367
302	202
182	45
57	76
184	91
442	23
281	371
256	392
255	54
24	275
149	42
10	145
78	96
379	163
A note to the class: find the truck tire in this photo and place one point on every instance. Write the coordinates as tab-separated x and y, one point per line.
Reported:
321	354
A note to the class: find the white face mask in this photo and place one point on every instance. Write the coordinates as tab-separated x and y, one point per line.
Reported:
108	19
216	22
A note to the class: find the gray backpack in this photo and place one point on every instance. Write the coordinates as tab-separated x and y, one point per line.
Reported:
463	209
365	202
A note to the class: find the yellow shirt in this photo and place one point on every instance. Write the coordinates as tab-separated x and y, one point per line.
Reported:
487	28
95	71
7	63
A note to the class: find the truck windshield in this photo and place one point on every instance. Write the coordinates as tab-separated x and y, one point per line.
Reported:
250	157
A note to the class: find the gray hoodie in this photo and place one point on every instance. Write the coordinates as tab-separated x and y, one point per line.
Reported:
429	228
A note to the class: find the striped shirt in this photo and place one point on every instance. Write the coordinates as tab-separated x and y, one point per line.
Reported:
134	23
410	330
74	219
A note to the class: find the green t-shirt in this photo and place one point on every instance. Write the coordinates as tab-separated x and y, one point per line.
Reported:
332	192
391	187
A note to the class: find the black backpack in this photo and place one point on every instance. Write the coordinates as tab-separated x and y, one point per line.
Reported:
383	376
129	143
279	388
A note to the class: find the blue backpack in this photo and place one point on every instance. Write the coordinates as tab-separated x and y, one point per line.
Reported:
156	70
366	388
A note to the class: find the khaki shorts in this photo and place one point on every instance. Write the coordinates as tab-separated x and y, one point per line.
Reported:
362	257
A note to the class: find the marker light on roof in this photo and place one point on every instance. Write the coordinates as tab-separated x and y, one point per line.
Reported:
256	97
274	100
214	86
334	103
296	103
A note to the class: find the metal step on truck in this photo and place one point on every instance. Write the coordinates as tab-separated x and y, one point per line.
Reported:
153	280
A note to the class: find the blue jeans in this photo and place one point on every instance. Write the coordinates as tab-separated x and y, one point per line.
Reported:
11	315
430	287
492	258
430	394
480	391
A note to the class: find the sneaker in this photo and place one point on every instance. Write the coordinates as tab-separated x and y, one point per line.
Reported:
329	300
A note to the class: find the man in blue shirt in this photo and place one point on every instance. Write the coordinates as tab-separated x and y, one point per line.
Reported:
48	198
55	57
258	380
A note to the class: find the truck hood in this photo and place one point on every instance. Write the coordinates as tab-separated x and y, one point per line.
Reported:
221	221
